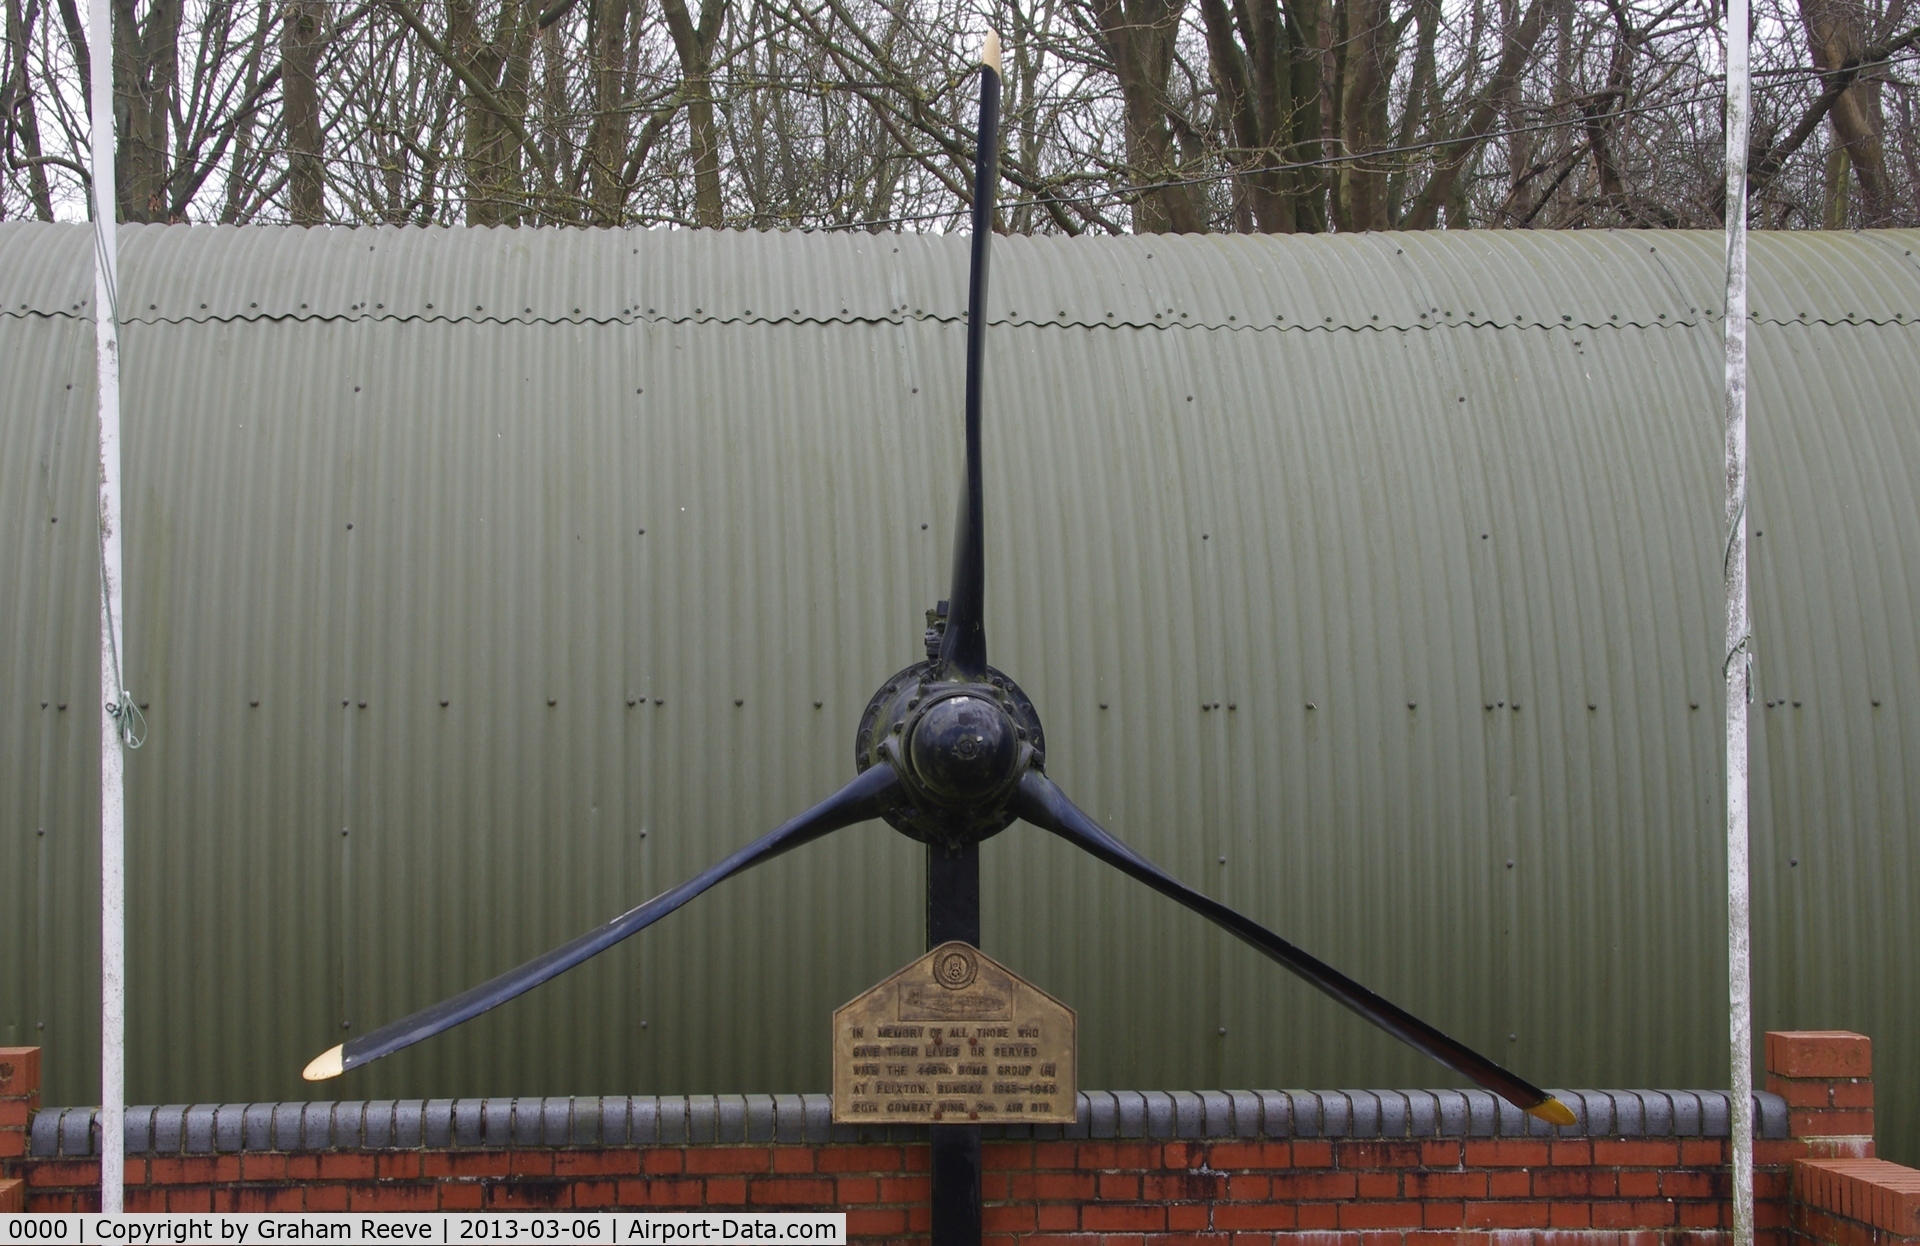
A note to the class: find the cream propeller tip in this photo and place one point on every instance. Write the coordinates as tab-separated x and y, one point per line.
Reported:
329	1063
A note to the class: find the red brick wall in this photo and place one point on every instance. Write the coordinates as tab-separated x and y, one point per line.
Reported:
1337	1192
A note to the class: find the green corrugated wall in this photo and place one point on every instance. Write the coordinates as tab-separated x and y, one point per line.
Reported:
1397	478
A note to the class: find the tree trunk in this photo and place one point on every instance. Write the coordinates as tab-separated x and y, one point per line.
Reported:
1139	40
1442	189
302	35
694	45
146	58
606	136
1836	31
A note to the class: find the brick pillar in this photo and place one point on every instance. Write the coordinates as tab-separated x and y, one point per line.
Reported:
1826	1077
19	1100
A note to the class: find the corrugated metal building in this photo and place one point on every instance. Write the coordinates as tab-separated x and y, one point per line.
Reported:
1370	583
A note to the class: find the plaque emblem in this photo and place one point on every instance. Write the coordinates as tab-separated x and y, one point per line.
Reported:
954	967
955	1036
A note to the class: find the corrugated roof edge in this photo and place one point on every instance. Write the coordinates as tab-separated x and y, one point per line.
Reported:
650	1120
1898	320
1578	280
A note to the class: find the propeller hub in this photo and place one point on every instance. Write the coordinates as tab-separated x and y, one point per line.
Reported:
960	746
963	747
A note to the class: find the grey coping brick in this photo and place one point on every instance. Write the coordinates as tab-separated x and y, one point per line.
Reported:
199	1139
1216	1108
1363	1120
436	1123
256	1129
467	1119
169	1123
703	1119
1423	1114
496	1122
1686	1113
1189	1115
1482	1116
376	1126
1336	1114
286	1126
1628	1118
647	1120
136	1136
1276	1114
1393	1113
730	1113
643	1120
409	1123
1769	1115
524	1120
819	1110
43	1134
1304	1113
1245	1107
1159	1113
1082	1118
556	1121
1596	1113
76	1132
1103	1114
789	1118
761	1118
227	1118
316	1127
672	1120
1657	1111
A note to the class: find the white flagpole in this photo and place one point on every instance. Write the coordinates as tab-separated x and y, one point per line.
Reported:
1738	669
118	709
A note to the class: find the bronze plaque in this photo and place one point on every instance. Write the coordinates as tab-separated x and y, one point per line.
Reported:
954	1037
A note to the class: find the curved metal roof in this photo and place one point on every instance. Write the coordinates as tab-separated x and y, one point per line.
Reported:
1370	583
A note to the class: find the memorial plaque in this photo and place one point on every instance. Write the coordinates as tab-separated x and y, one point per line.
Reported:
955	1037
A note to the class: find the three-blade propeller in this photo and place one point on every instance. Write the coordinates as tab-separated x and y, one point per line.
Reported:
951	753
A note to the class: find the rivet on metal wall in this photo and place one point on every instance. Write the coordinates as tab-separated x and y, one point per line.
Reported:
1693	705
739	701
1411	705
1509	862
553	701
643	532
1232	705
1516	707
1793	861
344	704
1796	705
659	700
818	704
1592	706
1310	705
631	702
443	703
1103	704
363	705
254	702
1487	706
63	705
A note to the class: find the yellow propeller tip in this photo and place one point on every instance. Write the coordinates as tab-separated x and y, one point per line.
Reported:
329	1063
990	52
1552	1111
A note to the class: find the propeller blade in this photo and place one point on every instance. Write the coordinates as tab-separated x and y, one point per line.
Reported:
1041	802
965	645
868	796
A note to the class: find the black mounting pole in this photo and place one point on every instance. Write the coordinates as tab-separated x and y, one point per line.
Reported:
953	912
